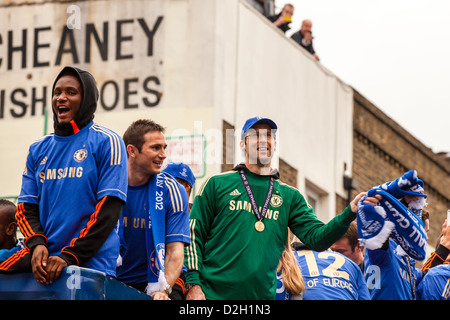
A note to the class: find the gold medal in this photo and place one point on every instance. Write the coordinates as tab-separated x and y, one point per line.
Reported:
260	215
259	226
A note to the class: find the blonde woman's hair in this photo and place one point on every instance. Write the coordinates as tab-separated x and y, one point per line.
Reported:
290	270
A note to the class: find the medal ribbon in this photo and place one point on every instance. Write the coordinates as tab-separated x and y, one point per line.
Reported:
251	196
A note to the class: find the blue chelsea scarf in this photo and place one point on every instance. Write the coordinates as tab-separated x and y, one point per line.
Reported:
391	217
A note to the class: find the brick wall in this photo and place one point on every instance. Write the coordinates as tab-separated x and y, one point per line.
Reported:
341	203
288	174
383	151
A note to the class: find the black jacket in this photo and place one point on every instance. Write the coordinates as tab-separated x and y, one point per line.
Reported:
284	27
298	37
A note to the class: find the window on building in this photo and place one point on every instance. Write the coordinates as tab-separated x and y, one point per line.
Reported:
317	199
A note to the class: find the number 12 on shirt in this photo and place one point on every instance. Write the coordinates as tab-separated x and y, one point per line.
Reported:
331	271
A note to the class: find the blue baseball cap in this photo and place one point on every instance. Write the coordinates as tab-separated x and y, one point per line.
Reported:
180	170
252	121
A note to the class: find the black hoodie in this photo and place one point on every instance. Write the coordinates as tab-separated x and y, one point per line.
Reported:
88	102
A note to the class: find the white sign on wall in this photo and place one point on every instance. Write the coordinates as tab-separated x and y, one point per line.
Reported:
119	42
190	150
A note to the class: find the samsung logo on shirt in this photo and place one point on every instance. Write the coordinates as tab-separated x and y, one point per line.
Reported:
238	205
61	173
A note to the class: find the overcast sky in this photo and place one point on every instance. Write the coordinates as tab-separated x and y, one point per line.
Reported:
396	53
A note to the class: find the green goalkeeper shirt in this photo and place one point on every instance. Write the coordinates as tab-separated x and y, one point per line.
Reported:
228	257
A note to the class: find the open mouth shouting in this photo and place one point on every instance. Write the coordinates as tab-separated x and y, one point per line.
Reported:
66	98
62	112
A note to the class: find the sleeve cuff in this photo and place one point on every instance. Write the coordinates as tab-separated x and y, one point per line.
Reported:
69	257
193	277
348	215
35	240
442	251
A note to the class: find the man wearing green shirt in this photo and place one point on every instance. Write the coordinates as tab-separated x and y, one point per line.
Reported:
239	224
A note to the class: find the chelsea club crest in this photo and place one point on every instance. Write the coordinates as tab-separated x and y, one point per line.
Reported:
276	201
80	155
